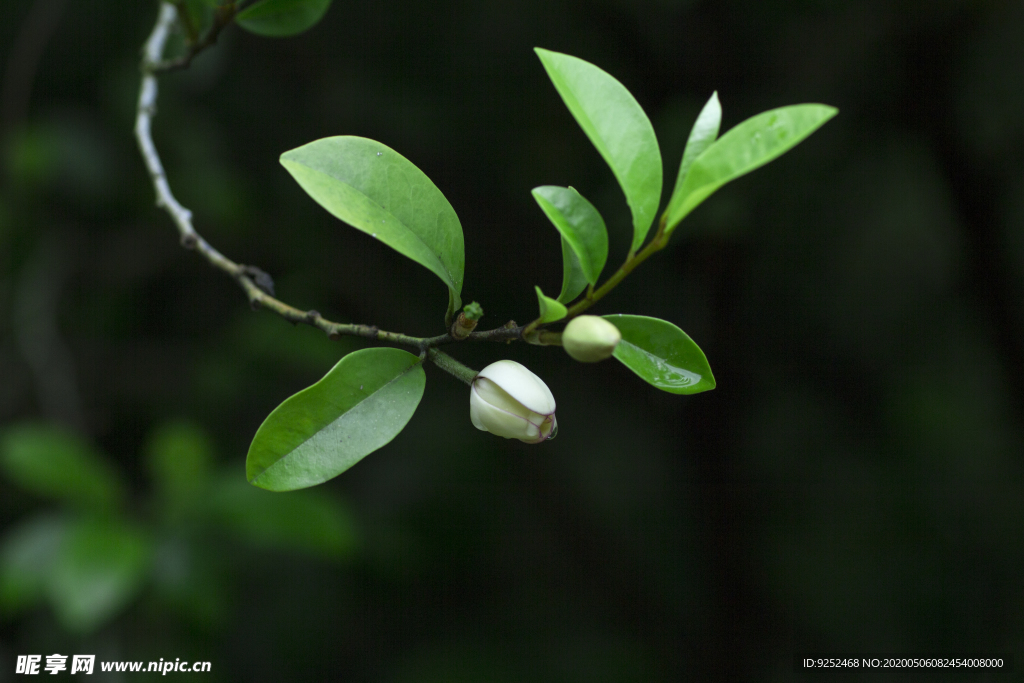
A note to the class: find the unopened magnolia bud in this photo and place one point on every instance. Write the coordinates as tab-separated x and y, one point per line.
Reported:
508	400
590	339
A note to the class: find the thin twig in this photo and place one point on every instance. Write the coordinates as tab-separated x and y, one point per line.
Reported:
451	366
248	277
223	15
633	260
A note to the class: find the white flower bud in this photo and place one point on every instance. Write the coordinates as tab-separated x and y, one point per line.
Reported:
589	338
508	400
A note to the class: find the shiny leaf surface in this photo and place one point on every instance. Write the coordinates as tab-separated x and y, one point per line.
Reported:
378	191
748	146
359	406
662	355
619	129
573	279
702	135
580	225
550	310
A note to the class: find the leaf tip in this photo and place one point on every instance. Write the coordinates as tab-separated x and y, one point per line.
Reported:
551	310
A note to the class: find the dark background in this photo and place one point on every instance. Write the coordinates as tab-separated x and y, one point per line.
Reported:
854	484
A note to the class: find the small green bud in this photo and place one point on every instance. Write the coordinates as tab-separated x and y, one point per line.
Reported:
465	323
590	339
473	311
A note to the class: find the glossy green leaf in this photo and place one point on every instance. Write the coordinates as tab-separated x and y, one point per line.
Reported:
454	302
281	18
742	149
27	556
358	407
378	191
100	569
702	135
53	462
550	310
580	225
619	129
662	355
573	279
311	521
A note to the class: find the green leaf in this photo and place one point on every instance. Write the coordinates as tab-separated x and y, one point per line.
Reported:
281	18
100	569
27	557
378	191
617	127
579	223
55	463
748	146
702	135
573	279
550	310
662	355
310	521
358	407
454	301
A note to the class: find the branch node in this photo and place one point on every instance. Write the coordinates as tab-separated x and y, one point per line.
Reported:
510	325
259	277
462	327
257	284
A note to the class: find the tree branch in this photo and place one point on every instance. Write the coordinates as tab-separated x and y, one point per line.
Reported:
223	15
633	260
257	285
451	366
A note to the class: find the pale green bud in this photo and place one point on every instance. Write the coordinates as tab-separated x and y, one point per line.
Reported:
508	400
589	338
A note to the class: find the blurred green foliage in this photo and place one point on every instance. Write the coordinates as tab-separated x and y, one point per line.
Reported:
89	558
853	483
